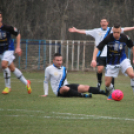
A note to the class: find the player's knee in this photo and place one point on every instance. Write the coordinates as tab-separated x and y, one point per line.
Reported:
107	84
64	89
3	65
86	87
131	75
11	68
100	70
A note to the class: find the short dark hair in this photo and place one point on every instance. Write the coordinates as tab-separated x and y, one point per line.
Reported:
0	12
117	25
56	55
104	18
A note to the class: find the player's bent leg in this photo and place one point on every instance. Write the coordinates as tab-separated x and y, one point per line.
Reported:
20	76
7	75
93	90
99	75
130	73
71	91
109	87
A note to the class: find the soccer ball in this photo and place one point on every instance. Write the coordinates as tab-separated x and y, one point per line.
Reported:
117	95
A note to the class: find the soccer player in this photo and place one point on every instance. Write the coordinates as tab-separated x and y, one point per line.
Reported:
57	73
99	34
116	57
7	55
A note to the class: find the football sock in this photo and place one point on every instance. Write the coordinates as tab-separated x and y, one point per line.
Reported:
99	77
132	83
7	75
110	89
96	90
20	76
72	93
113	81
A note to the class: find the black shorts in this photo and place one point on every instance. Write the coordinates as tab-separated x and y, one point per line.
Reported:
101	61
72	86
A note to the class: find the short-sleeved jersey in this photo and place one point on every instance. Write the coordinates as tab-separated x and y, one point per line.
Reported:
56	76
99	34
6	42
115	48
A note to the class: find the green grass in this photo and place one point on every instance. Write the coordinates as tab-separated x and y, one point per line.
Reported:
21	113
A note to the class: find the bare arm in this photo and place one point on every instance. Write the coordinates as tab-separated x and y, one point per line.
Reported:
75	30
18	49
133	53
94	63
128	29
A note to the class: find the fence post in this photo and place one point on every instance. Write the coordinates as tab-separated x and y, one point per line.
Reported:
67	55
39	56
78	53
55	46
50	50
26	53
83	59
72	54
44	54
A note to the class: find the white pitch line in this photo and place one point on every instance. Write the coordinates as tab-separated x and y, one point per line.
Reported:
68	116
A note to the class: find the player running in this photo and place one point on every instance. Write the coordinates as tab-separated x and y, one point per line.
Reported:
57	74
7	55
116	57
99	34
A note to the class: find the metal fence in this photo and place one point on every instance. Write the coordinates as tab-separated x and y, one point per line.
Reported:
38	54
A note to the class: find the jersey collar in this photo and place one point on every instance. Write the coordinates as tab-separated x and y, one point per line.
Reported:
104	30
57	67
115	39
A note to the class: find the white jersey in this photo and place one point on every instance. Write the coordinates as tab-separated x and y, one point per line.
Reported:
99	34
57	78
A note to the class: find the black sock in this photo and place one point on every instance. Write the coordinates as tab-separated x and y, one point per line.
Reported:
74	93
99	76
96	90
113	81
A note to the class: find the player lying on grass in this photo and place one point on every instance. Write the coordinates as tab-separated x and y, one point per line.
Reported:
7	55
116	57
57	73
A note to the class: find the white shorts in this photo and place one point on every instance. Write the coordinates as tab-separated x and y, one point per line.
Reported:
113	71
8	56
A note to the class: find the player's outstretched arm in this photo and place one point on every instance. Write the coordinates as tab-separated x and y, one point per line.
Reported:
75	30
125	29
93	62
133	54
18	49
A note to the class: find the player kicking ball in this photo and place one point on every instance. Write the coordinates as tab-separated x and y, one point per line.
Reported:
116	57
57	73
7	56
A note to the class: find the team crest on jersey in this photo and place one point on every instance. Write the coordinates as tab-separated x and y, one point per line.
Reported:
55	73
116	46
121	46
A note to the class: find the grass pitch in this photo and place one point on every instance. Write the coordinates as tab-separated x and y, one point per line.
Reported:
21	113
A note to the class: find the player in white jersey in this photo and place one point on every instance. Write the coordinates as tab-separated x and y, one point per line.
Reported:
116	57
99	34
57	73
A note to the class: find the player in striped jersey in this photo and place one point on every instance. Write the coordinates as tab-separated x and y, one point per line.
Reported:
99	34
116	57
7	55
57	74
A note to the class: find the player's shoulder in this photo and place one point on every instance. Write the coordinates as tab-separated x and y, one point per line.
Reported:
123	35
49	67
6	27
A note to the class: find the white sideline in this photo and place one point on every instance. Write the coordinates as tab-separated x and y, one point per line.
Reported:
58	115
